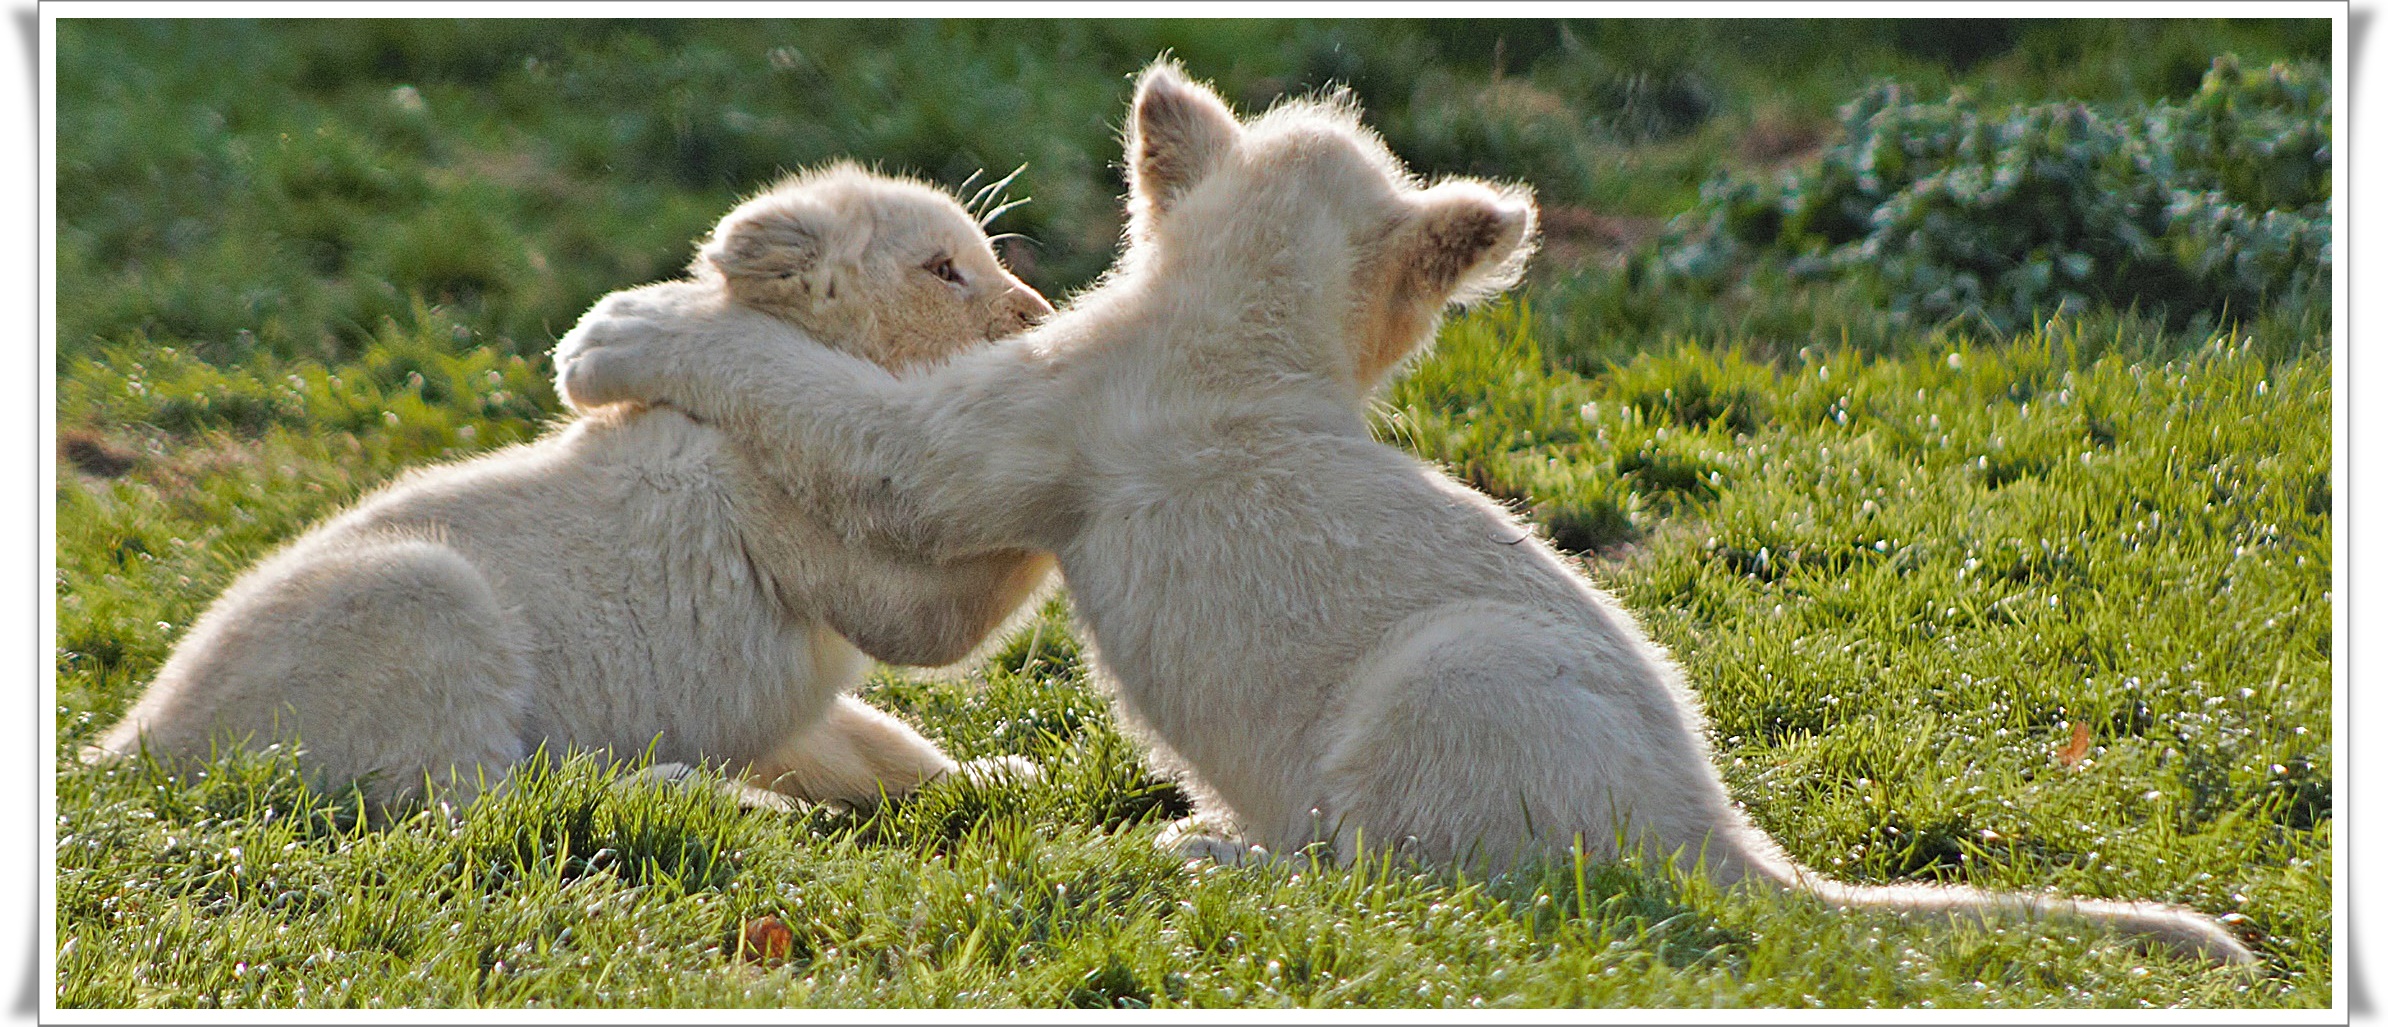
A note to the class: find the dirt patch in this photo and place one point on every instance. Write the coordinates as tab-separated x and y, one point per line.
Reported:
1631	553
1776	144
93	456
1578	236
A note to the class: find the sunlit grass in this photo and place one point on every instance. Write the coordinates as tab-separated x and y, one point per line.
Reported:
1901	568
1897	583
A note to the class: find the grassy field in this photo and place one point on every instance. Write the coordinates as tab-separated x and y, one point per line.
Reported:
2048	610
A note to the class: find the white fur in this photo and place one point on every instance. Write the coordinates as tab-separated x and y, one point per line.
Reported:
1328	640
630	583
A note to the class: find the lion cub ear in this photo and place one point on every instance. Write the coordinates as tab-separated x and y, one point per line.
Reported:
781	246
1179	132
1469	240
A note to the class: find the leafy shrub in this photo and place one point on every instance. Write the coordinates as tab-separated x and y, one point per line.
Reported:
2216	204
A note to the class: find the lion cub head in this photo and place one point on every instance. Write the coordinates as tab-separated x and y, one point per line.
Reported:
890	270
1306	192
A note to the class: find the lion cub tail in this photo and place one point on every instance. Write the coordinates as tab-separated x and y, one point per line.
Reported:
2176	928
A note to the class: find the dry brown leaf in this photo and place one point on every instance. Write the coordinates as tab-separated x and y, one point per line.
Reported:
766	939
2078	747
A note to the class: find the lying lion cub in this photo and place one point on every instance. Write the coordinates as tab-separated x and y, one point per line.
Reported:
1336	644
632	579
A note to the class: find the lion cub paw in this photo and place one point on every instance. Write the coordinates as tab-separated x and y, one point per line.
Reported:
988	771
1199	839
746	795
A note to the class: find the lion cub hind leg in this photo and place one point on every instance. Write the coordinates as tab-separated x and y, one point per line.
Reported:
388	662
1478	734
854	755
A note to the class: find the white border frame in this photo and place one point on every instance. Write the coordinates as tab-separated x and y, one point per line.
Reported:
2354	780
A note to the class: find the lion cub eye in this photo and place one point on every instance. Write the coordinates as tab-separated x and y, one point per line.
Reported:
943	267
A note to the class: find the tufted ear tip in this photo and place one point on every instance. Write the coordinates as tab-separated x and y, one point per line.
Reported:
1163	73
1179	132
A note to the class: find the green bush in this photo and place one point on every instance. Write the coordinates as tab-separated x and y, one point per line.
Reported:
2211	206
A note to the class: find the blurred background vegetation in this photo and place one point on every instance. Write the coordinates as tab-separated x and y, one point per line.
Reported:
292	186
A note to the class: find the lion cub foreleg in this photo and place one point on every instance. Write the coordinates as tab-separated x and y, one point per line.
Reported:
855	756
858	755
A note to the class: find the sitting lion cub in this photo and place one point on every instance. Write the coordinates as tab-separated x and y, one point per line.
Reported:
633	579
1335	644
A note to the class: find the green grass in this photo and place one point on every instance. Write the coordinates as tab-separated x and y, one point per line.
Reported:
1897	584
1899	566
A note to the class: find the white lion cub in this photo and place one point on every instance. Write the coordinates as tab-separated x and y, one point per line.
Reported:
1333	643
633	579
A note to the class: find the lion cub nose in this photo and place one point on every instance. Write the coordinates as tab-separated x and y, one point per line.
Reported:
1029	307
